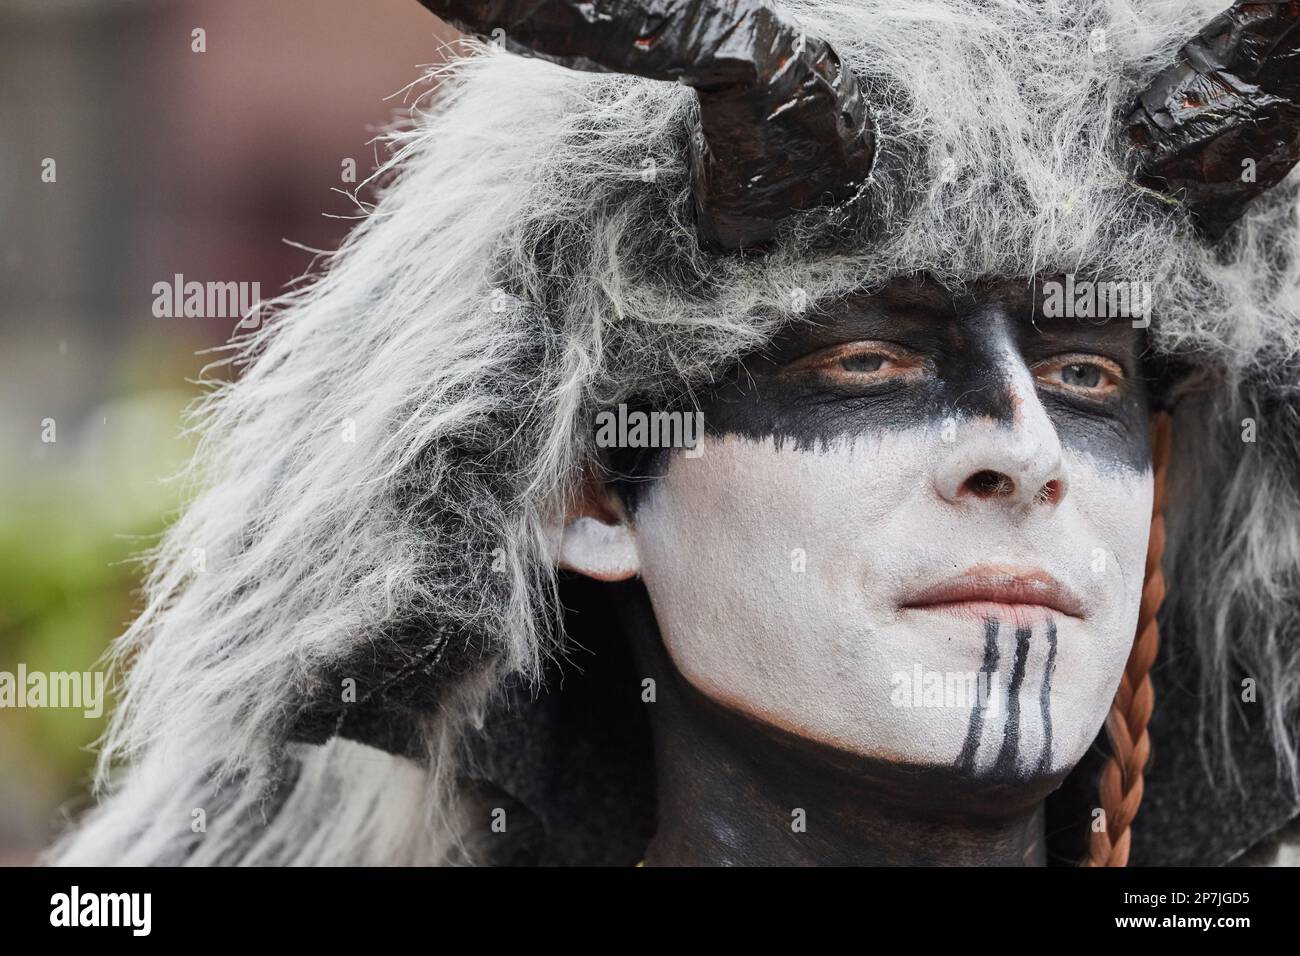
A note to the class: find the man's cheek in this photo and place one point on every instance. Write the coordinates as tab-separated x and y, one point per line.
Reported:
760	513
1113	518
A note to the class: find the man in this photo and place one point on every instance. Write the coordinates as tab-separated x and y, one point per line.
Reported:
880	611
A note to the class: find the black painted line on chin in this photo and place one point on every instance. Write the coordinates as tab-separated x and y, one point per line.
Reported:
1007	756
1045	699
975	729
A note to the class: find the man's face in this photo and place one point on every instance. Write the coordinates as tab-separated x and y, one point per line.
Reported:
916	533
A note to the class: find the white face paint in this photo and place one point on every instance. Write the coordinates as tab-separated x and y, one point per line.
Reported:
958	593
780	580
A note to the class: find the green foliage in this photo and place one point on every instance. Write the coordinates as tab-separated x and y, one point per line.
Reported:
74	523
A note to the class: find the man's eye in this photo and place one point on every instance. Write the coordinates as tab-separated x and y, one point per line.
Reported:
1087	376
860	364
1093	377
863	363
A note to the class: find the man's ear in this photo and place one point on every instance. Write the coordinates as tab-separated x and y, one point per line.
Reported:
597	538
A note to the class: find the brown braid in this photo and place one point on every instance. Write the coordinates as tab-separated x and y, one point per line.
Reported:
1126	726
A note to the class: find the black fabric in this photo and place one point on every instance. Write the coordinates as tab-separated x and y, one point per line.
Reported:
1190	816
395	682
572	766
579	756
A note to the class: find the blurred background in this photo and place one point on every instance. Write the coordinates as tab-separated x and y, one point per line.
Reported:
166	160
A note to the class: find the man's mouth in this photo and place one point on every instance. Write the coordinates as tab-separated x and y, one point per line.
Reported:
1023	595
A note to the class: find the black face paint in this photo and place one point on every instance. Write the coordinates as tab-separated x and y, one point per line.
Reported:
1007	765
975	731
1045	699
1008	757
971	344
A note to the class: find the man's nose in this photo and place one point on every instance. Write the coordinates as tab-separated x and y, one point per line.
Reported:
1014	462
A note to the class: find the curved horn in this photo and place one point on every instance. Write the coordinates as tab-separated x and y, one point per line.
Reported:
1222	124
783	125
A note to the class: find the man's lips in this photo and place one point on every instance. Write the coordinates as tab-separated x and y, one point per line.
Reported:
988	589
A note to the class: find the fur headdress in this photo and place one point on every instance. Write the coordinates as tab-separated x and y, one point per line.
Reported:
376	493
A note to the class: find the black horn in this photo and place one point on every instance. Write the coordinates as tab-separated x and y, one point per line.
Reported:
783	125
1222	125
